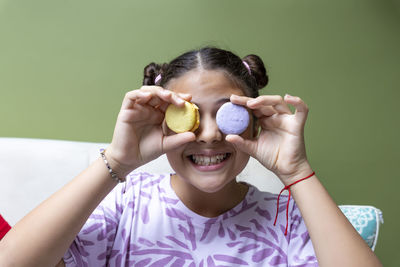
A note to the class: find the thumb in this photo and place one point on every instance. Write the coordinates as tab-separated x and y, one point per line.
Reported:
173	141
247	146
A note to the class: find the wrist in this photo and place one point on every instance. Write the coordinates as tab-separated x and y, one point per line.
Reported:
119	169
302	170
294	178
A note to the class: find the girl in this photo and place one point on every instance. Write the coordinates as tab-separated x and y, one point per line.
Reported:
199	215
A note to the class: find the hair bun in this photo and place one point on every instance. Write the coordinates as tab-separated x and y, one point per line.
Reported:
258	70
150	73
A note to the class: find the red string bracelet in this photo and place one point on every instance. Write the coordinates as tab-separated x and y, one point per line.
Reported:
287	204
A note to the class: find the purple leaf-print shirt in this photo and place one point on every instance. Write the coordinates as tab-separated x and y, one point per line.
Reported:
143	223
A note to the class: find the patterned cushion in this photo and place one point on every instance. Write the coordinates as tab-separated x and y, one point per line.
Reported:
366	220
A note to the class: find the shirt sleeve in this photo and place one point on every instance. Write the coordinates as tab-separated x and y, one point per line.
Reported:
300	251
92	245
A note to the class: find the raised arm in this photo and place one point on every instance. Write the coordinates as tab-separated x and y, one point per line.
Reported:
335	241
280	148
43	236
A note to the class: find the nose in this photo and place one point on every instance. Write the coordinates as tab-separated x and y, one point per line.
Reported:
208	131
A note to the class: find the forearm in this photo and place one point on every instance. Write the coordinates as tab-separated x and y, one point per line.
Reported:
335	241
42	237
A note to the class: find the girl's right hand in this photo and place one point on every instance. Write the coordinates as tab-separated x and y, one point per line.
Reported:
138	136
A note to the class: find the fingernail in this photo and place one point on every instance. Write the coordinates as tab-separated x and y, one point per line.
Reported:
145	94
166	92
288	95
234	97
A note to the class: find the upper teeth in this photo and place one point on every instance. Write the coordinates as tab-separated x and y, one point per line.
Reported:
208	160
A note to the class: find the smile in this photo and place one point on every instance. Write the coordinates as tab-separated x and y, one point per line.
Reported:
205	160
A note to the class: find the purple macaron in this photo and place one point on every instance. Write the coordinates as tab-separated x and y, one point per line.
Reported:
232	118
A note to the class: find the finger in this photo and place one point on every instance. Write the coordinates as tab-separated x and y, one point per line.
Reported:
240	100
174	141
141	113
245	145
300	106
152	95
167	96
164	105
186	97
159	95
270	100
132	97
265	111
261	110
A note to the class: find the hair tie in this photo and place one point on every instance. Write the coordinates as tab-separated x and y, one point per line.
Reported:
247	66
157	79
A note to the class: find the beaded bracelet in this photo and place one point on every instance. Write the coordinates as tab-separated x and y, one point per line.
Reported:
114	176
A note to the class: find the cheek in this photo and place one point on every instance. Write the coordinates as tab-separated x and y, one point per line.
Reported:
241	161
176	159
174	154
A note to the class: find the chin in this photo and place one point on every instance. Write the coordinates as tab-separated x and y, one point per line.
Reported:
209	183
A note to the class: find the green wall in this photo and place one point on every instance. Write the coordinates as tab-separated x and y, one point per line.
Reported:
66	65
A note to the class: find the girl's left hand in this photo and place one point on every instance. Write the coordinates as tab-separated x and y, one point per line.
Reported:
280	145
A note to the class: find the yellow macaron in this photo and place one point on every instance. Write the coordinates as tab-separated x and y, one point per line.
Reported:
182	119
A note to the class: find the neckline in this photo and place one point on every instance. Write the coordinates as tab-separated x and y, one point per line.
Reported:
197	218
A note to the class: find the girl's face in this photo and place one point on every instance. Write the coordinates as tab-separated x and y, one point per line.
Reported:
210	163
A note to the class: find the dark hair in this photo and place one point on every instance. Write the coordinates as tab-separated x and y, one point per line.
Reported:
212	58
